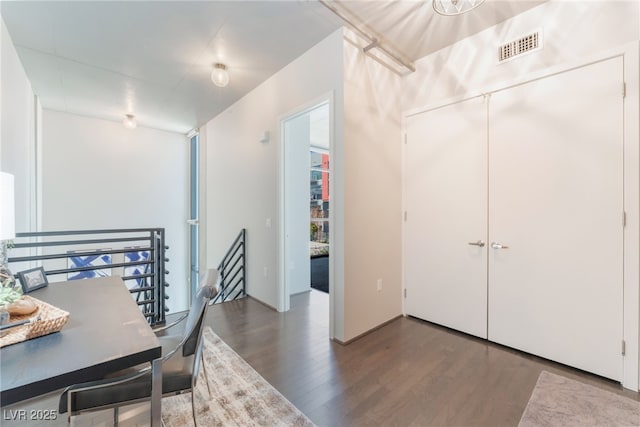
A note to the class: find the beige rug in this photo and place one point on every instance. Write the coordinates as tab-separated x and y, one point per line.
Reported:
560	401
239	395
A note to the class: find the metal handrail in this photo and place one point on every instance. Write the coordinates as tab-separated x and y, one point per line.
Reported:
150	295
233	263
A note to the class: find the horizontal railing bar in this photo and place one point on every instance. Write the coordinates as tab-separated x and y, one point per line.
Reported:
144	289
147	301
233	251
232	268
83	253
75	232
230	279
228	267
138	276
235	286
233	297
232	246
97	267
79	242
226	292
231	260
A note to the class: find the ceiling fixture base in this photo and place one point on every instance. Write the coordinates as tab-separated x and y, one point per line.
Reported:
220	75
455	7
130	121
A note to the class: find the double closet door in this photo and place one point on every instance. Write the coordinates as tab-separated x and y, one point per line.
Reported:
514	227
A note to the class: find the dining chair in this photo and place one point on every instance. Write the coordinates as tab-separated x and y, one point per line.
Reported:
181	357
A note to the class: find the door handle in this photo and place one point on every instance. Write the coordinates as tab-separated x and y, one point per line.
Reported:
495	245
479	243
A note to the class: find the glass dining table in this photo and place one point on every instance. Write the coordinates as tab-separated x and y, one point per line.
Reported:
106	332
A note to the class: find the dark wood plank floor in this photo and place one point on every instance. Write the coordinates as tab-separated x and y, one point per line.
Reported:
408	373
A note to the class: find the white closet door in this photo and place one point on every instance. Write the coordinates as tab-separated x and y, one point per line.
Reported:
556	201
445	198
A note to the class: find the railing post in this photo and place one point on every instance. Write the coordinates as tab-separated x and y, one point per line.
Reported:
162	282
244	262
223	287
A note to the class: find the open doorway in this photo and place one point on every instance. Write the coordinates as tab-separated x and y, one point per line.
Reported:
305	204
319	173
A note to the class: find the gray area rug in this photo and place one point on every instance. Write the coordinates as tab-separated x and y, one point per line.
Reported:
236	394
560	401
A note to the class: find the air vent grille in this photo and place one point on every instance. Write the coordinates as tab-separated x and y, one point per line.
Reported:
522	45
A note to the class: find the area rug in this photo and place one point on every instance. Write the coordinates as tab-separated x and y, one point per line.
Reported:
560	401
236	394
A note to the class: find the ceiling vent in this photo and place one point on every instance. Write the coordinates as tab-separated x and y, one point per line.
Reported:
526	44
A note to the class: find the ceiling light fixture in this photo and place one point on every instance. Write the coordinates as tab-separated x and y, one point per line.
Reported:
455	7
220	75
129	121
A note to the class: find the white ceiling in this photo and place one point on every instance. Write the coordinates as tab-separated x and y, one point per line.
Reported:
413	29
154	58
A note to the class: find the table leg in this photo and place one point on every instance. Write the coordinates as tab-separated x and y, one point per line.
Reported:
156	393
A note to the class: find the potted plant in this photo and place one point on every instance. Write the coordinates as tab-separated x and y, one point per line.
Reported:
10	291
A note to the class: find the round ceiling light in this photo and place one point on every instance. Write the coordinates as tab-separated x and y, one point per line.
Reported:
129	121
220	75
455	7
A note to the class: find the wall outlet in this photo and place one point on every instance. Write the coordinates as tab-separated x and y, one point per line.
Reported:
379	284
265	271
267	223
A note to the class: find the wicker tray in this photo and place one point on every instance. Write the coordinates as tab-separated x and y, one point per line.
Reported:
52	319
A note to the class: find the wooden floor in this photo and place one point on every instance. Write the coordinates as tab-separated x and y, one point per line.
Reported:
408	373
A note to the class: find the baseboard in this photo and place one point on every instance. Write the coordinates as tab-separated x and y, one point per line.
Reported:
262	302
347	342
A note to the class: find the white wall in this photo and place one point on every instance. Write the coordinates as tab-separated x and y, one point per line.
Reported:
242	180
18	131
97	174
571	29
242	172
372	193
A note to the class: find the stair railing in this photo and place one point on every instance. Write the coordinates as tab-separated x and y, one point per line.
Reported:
136	254
232	271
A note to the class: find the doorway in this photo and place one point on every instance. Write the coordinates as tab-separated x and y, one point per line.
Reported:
305	204
319	173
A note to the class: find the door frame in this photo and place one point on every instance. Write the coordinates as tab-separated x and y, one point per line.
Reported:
283	299
631	135
194	209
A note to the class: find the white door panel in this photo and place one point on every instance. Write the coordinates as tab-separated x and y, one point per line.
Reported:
445	198
556	200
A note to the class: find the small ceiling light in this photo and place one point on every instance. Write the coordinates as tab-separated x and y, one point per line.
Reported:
129	121
455	7
220	75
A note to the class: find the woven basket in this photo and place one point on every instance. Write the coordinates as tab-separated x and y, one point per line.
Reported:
52	319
